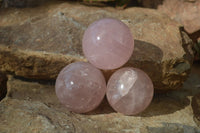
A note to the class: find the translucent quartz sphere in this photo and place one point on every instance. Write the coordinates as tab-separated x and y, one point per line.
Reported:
108	43
80	87
129	91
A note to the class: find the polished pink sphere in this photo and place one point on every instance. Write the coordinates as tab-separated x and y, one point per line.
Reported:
129	91
108	43
80	87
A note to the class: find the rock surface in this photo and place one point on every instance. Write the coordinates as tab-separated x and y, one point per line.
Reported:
35	108
38	42
185	12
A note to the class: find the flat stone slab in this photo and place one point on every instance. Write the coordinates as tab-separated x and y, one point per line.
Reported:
32	106
38	42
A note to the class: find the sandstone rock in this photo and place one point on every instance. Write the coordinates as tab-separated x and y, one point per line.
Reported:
185	12
25	116
3	85
32	106
37	43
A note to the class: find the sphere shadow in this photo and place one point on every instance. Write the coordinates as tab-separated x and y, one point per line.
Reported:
103	108
147	57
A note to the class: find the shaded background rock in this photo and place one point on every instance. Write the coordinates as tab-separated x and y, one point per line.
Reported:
38	46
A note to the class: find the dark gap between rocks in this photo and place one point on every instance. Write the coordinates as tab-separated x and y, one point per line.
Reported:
3	86
40	81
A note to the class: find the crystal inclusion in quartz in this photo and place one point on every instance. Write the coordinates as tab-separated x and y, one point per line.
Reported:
129	91
80	87
108	43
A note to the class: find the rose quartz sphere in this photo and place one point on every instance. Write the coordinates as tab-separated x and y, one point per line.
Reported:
129	91
108	43
80	87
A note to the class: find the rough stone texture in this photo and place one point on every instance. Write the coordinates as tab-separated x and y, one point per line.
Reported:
185	12
39	42
3	85
32	106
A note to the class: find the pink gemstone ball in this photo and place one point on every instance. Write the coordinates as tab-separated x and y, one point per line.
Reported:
80	87
108	43
129	91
